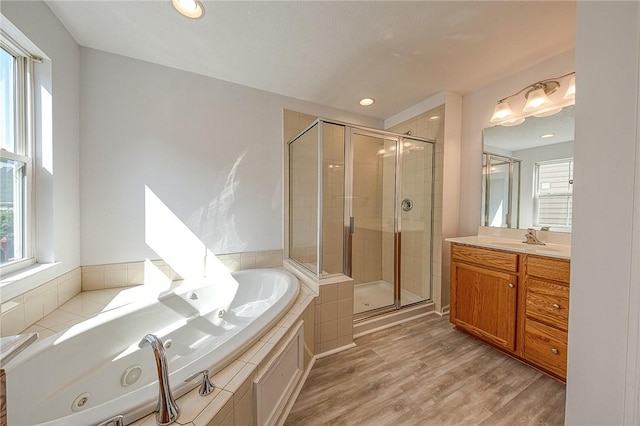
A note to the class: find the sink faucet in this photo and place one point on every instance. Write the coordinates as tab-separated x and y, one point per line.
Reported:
167	411
532	238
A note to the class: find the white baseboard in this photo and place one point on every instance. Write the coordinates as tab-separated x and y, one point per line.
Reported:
335	351
444	311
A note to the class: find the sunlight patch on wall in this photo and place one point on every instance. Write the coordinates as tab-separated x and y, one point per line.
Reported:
180	248
171	239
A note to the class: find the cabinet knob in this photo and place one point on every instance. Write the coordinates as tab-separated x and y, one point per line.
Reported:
511	285
555	351
555	306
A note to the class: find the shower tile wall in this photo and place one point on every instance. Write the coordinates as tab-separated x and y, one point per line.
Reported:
415	266
303	207
303	201
333	199
304	190
369	170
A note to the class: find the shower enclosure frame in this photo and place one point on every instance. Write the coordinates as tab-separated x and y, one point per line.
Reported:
348	223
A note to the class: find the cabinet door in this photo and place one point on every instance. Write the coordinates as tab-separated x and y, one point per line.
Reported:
483	302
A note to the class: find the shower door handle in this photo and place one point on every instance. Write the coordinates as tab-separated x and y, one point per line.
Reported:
352	225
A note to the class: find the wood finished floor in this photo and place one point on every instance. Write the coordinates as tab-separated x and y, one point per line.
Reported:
424	372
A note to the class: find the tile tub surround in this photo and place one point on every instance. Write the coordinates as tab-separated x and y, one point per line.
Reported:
27	311
232	401
22	312
334	317
98	277
333	309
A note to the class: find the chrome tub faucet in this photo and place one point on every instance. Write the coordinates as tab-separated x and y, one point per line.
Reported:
167	411
532	238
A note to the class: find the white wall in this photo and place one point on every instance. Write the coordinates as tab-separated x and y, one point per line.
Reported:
477	108
57	177
210	150
602	257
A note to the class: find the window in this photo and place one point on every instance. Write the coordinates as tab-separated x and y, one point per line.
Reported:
16	153
554	193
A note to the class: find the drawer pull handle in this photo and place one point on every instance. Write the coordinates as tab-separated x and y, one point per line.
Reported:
555	306
511	285
555	351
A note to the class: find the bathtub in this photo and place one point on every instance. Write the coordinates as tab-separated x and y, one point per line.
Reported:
95	370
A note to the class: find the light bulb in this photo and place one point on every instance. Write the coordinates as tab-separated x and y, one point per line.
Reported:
189	8
189	5
501	111
536	99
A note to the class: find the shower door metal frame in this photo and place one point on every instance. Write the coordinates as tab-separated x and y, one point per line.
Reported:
398	139
349	224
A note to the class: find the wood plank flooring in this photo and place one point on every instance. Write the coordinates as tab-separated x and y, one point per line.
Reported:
424	372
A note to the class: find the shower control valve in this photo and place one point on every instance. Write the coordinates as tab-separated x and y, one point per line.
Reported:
407	204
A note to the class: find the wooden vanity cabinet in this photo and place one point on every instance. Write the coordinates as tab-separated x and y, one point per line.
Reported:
546	317
484	294
518	303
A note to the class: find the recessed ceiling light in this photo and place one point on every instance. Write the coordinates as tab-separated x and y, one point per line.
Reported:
189	8
548	135
435	117
367	101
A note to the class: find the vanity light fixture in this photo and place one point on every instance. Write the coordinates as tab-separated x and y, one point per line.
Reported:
537	102
367	101
571	91
190	8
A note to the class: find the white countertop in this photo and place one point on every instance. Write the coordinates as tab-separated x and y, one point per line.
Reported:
550	250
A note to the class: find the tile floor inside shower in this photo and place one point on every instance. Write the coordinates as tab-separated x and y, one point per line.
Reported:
377	294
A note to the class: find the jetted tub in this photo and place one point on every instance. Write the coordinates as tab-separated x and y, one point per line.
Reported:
95	370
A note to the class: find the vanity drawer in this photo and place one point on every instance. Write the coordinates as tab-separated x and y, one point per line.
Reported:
549	268
546	347
548	303
491	258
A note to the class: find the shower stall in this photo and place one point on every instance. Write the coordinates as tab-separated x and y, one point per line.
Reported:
361	205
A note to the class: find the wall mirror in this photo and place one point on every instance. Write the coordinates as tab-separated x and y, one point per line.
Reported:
527	173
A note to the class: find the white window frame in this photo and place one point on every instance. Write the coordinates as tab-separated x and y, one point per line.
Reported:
25	151
537	195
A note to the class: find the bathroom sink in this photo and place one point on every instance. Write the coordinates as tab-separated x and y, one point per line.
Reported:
527	248
516	245
510	245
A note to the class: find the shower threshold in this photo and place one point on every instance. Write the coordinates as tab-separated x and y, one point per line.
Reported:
378	294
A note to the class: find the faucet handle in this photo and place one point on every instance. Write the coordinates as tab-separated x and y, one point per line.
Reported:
206	387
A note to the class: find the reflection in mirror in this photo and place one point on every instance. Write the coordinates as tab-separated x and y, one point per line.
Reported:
528	173
501	187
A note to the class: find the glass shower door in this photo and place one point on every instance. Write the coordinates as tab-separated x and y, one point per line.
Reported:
372	224
415	220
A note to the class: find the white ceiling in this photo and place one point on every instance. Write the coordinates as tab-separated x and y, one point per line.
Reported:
333	53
